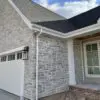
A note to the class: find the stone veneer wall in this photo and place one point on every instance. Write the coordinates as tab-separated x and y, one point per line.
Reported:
53	66
13	34
79	69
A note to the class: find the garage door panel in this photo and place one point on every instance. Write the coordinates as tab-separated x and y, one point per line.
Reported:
12	76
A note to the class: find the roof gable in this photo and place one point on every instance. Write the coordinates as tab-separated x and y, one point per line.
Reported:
46	18
35	12
80	21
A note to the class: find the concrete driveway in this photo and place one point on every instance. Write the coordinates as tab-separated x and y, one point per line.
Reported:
7	96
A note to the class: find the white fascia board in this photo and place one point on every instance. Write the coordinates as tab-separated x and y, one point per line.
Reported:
83	31
76	33
12	51
26	20
47	31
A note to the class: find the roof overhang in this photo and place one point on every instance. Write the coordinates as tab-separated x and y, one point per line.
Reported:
77	33
92	29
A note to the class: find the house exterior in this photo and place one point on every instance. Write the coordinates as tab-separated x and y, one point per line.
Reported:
43	53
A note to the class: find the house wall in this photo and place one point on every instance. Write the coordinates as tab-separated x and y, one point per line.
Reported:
53	65
79	63
79	67
53	57
93	80
13	34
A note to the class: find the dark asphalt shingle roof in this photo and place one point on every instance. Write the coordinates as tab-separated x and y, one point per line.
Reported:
85	19
61	25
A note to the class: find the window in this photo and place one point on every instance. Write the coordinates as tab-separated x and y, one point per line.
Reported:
3	58
92	59
11	57
19	55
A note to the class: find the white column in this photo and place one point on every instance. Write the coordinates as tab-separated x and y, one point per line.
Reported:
71	65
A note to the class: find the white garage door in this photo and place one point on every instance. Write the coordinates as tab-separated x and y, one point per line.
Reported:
12	76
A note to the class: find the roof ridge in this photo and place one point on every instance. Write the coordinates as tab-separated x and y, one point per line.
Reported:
86	11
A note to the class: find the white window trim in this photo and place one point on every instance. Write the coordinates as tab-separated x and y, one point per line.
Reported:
85	58
15	53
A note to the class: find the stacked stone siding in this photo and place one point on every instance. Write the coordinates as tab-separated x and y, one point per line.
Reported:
79	69
53	65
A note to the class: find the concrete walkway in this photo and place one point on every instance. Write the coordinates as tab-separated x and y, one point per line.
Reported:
7	96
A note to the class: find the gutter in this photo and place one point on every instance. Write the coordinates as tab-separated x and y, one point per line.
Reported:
48	31
37	60
76	33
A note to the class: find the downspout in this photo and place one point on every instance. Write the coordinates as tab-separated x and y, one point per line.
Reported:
37	61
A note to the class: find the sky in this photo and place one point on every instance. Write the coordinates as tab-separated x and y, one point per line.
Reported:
68	8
